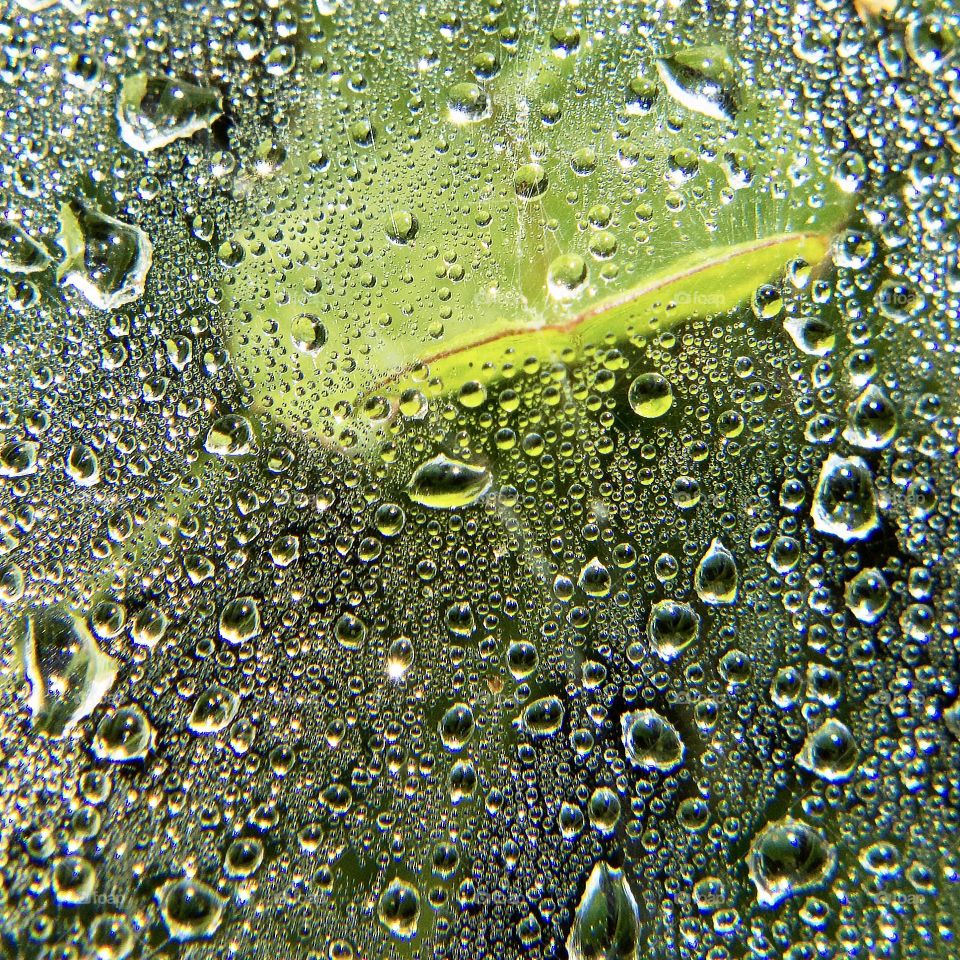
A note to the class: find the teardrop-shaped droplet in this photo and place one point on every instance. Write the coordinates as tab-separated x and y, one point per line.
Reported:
671	628
229	436
214	710
399	909
651	741
871	419
606	925
716	577
829	751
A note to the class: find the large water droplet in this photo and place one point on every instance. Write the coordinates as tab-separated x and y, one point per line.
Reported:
214	710
671	628
68	673
867	595
530	180
456	727
229	436
543	717
595	580
308	333
446	484
105	259
18	458
871	419
190	909
651	741
716	577
786	858
845	502
694	89
566	275
468	103
399	909
829	751
19	253
606	925
81	465
240	620
124	735
154	111
650	395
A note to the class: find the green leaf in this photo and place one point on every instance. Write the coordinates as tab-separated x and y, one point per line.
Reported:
442	228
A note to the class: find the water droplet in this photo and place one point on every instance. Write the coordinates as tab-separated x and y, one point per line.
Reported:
105	259
716	577
829	751
671	628
73	881
845	502
929	43
148	627
564	40
606	925
81	465
468	103
651	741
69	674
190	909
595	579
19	253
695	90
400	657
401	226
522	659
153	111
565	275
767	302
543	717
786	858
214	710
867	595
112	937
229	436
18	458
530	181
399	909
350	631
285	550
124	735
243	858
812	335
12	583
446	484
650	395
240	620
871	419
456	727
308	333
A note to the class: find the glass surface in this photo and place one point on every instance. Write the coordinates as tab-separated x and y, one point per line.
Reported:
479	479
